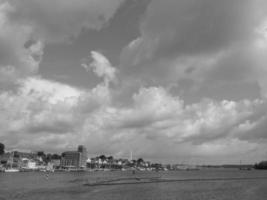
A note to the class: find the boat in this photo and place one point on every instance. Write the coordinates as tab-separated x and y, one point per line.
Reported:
76	170
49	168
12	170
2	169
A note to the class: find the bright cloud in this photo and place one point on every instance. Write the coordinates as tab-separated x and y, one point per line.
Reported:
101	67
73	116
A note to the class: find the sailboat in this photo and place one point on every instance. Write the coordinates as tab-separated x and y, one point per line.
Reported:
11	169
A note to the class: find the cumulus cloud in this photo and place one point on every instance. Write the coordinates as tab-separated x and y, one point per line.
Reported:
101	67
26	27
158	113
41	108
55	116
157	118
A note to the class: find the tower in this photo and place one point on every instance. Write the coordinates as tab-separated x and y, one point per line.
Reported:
83	152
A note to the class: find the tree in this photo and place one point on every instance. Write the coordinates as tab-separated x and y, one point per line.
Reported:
16	154
110	158
48	157
140	160
40	153
56	157
102	157
261	165
2	148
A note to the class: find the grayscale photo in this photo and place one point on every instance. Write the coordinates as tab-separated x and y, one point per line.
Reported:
133	99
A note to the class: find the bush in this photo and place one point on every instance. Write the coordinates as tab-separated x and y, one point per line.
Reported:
261	165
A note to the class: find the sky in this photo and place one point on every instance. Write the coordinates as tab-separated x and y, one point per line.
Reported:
177	81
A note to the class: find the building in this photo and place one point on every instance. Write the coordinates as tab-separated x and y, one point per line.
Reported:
84	156
28	164
55	163
74	159
71	159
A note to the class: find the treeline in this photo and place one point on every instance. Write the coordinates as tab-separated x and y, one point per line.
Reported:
261	165
2	148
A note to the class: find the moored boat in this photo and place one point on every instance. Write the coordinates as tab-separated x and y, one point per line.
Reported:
12	170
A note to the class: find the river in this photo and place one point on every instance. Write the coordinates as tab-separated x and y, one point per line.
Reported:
114	185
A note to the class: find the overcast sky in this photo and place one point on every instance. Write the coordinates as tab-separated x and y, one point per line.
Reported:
180	81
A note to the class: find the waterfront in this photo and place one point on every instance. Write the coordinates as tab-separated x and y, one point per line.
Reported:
200	185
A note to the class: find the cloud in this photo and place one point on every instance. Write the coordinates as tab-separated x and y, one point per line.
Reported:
53	92
252	130
157	119
197	41
55	116
196	27
41	110
59	20
16	59
38	103
26	27
157	113
101	67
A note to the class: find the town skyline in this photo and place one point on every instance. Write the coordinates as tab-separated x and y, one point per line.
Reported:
171	81
193	161
79	160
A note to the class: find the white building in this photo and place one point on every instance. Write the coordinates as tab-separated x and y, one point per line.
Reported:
28	164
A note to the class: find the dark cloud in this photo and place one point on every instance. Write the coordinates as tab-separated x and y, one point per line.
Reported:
257	133
199	27
55	127
59	20
254	129
214	38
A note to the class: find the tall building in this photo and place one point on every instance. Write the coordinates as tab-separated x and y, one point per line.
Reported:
71	159
84	157
75	159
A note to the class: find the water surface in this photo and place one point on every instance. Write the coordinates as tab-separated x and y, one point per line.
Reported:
184	185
